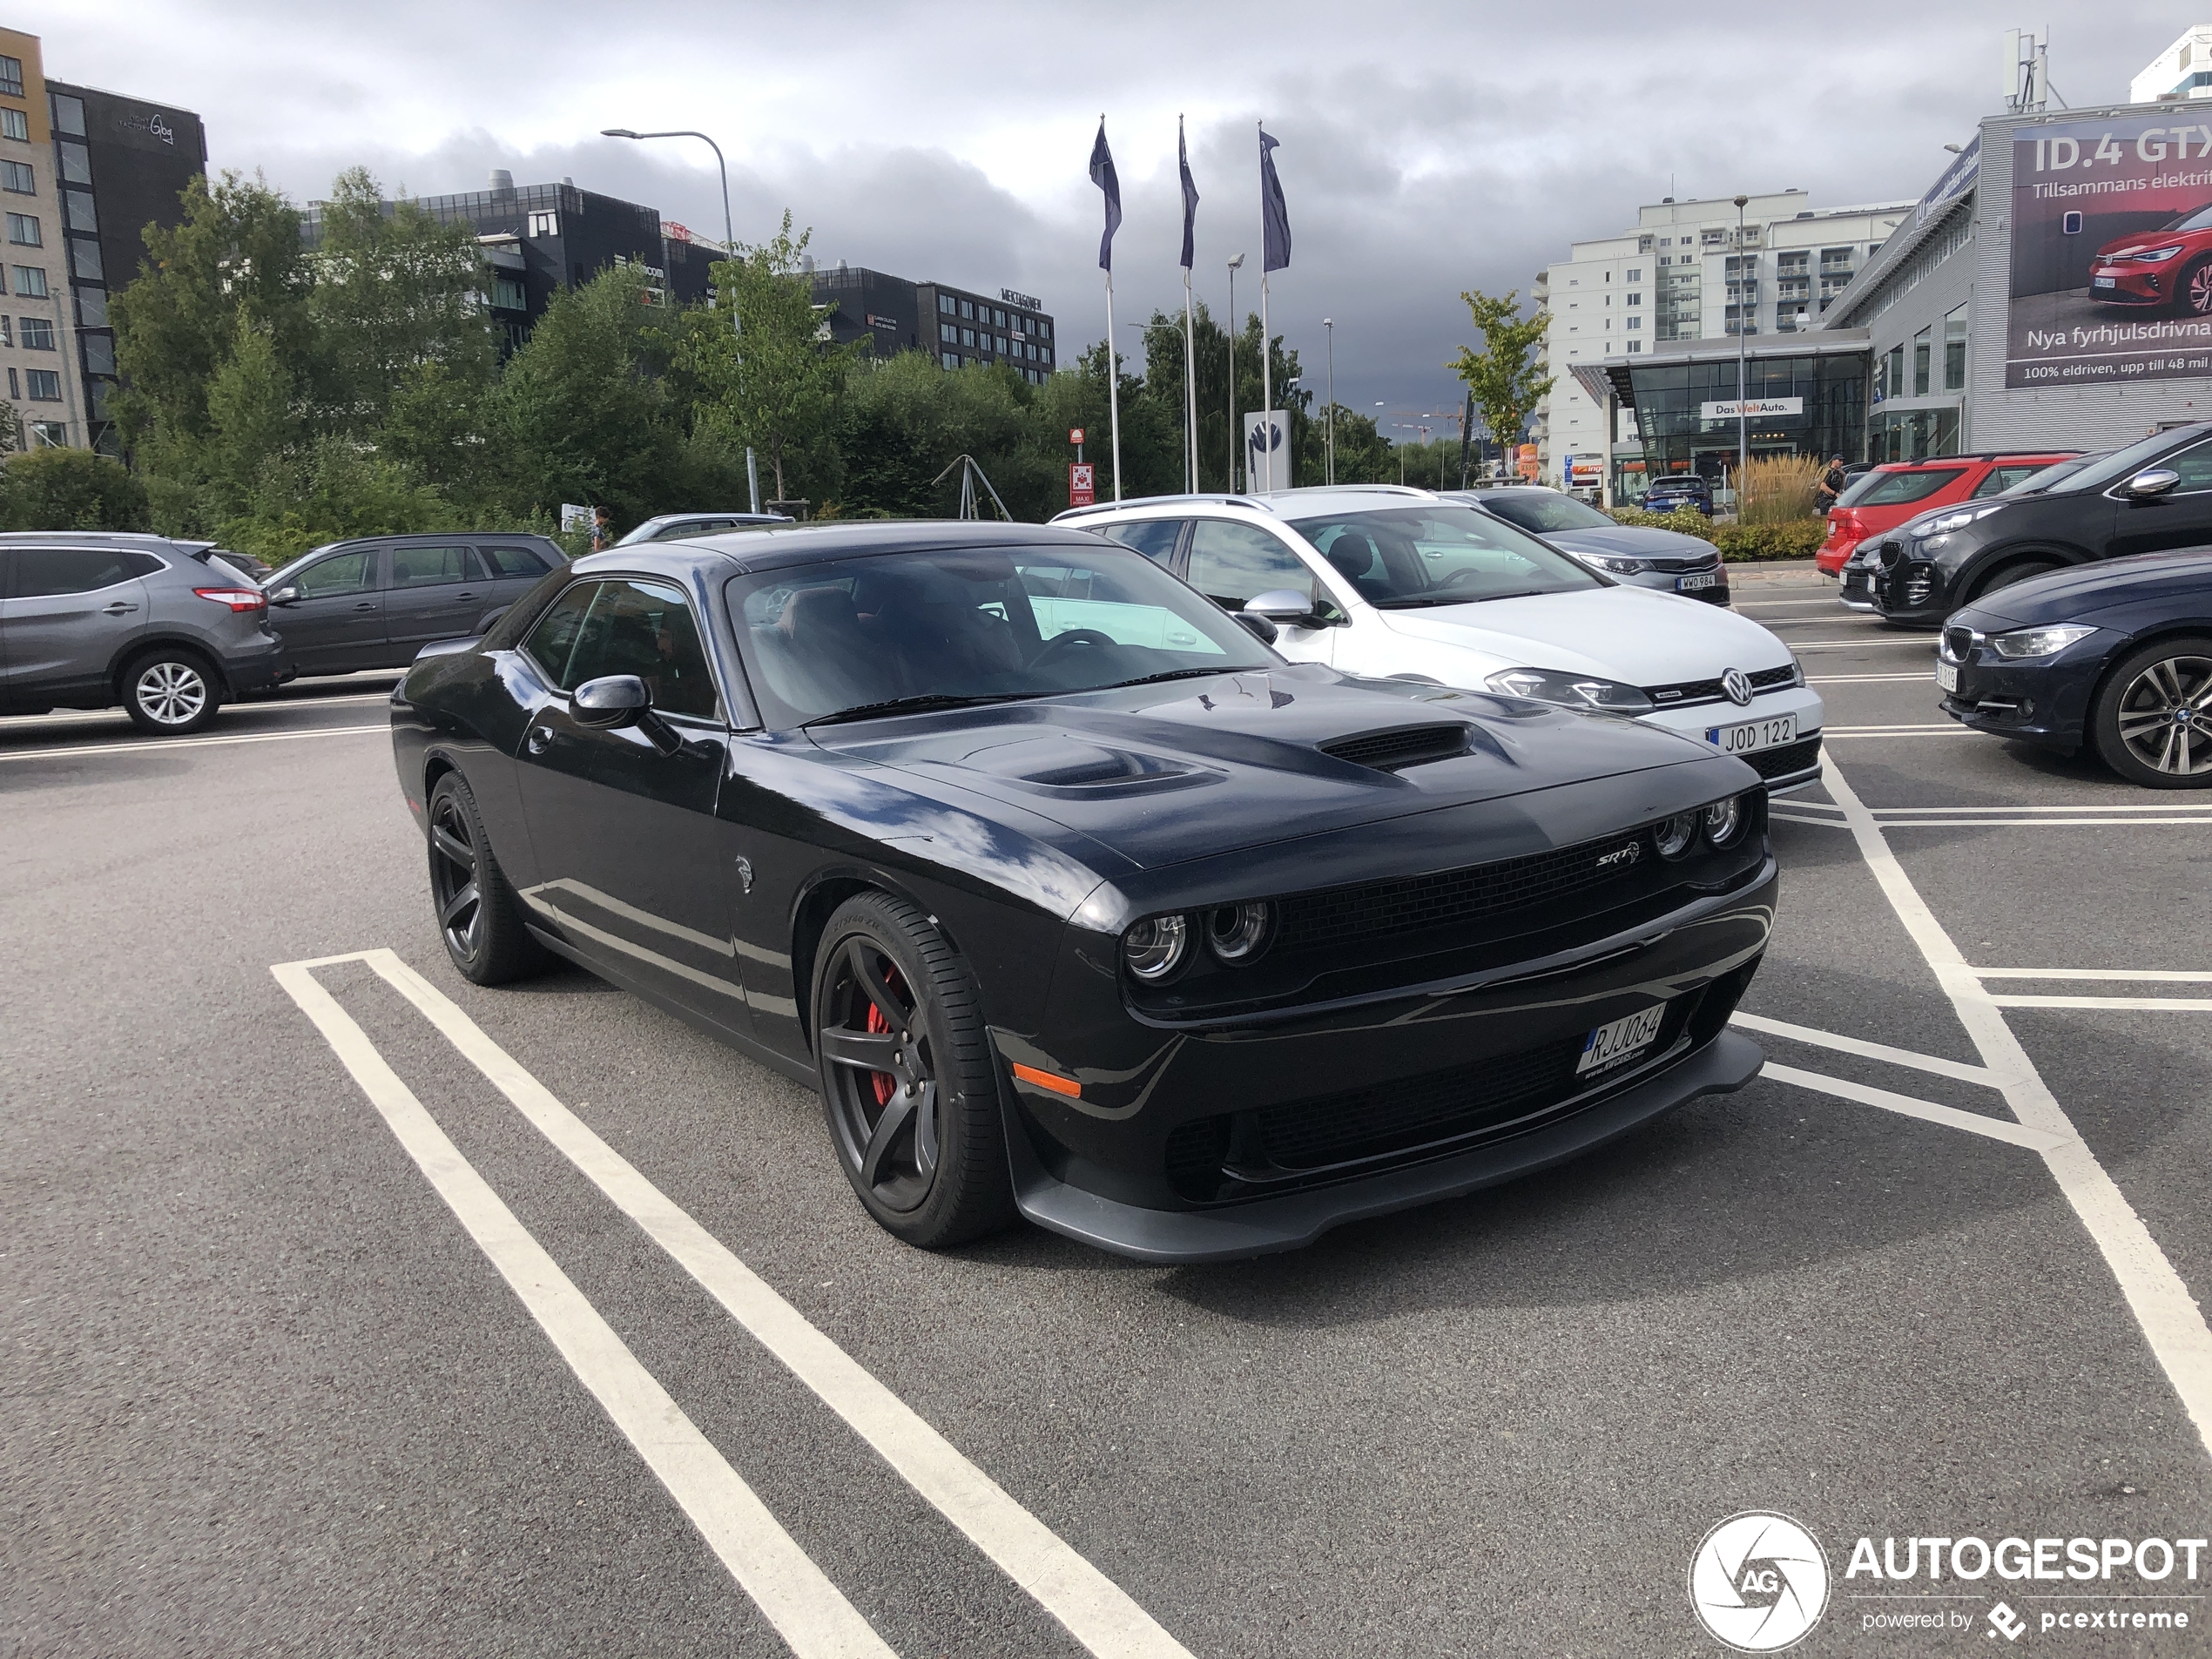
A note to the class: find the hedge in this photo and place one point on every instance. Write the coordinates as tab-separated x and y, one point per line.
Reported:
1739	543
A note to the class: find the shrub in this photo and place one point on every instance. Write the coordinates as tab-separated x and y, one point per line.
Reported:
1688	520
1777	489
71	489
1748	543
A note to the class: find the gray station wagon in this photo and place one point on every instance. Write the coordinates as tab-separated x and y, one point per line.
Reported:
376	602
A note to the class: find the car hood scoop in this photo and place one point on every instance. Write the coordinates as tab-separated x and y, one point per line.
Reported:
1062	763
1402	746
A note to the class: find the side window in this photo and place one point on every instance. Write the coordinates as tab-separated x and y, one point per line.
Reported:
645	629
511	561
42	572
428	567
340	573
2194	465
553	641
1153	538
2000	479
1231	562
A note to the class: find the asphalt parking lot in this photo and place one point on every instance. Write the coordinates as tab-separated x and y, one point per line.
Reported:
357	1309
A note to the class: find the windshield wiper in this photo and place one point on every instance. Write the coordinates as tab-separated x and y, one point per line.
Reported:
926	700
1171	674
1455	599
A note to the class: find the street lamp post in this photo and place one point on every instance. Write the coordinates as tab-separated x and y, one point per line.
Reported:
1329	331
729	230
1236	440
1742	309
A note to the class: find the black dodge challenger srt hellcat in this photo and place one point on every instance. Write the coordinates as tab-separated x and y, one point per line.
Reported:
1070	896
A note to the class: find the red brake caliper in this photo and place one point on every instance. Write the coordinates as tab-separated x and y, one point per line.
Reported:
883	1081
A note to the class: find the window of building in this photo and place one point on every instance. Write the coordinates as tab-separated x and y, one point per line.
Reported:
31	281
22	230
85	260
11	76
968	310
1044	356
91	308
1634	322
1635	275
15	385
37	333
951	359
1001	342
1635	300
18	176
506	293
68	113
1635	345
948	334
49	435
545	224
99	353
945	303
967	337
1894	387
998	317
1954	350
1044	329
14	123
1574	282
7	337
44	385
77	212
77	162
1921	351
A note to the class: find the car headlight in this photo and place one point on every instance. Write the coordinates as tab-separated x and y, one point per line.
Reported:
1155	947
2038	642
1943	523
1676	835
1576	691
1724	820
1610	564
1237	934
2154	256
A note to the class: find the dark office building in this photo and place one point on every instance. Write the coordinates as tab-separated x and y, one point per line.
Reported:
121	164
955	325
541	238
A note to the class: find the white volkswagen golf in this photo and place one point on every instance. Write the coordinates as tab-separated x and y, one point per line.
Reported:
1382	580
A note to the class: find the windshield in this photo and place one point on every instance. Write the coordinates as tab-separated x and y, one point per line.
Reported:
972	624
2122	463
2196	221
1545	509
2045	478
1399	558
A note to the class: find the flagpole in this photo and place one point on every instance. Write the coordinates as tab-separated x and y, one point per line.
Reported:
1266	386
1190	390
1113	386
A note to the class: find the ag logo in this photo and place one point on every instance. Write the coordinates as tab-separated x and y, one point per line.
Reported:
1759	1582
1737	684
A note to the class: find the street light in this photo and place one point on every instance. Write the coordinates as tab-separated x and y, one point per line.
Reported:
729	230
1743	419
1329	329
1236	439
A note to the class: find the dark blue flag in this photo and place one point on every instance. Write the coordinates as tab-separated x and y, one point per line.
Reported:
1102	175
1275	219
1189	195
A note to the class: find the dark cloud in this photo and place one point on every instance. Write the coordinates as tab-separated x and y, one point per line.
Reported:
1426	149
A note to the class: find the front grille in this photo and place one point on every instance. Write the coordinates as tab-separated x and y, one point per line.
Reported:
1958	643
1453	898
1767	679
1412	745
1790	757
1677	567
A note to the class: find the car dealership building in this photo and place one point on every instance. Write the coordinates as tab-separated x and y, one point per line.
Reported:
2041	295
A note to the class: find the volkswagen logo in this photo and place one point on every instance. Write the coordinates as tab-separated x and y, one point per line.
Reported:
1737	684
1758	1582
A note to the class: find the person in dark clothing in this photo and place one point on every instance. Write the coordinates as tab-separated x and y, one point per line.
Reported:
1831	485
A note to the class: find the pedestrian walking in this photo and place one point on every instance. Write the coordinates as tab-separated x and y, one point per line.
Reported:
1831	486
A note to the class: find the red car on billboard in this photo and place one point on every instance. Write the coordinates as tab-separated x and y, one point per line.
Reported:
1885	497
2167	267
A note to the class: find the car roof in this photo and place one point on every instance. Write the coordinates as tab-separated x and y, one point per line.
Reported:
2047	456
1279	504
743	552
133	538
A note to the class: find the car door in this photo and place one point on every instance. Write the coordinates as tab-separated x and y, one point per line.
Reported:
1231	562
67	615
631	866
515	566
336	625
2181	517
432	590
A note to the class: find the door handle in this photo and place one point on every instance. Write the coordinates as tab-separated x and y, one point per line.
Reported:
540	739
118	608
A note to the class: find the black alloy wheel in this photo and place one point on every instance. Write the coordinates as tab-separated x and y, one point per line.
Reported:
171	692
908	1082
479	918
2152	723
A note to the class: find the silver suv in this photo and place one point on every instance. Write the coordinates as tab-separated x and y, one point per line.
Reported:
166	629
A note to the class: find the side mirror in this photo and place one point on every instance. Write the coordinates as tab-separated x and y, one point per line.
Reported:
614	700
285	596
1282	607
1258	627
2150	484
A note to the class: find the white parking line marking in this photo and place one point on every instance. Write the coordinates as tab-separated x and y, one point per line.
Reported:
2165	976
2036	823
808	1611
1888	813
1860	1046
179	744
1095	1610
118	719
2151	1004
1792	817
2172	1323
1892	731
1921	643
1995	1129
1829	604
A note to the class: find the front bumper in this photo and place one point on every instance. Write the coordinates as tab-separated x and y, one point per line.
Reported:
1785	769
2045	702
2133	283
1911	589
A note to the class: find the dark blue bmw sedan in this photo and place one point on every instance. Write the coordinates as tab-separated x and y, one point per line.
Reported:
2117	655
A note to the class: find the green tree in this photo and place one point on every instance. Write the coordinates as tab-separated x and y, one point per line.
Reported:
71	489
775	388
1504	376
1364	456
250	425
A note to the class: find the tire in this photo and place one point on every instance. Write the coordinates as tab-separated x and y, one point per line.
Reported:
2193	293
919	1132
2019	571
170	692
2152	721
477	914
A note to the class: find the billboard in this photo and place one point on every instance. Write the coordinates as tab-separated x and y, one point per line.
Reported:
1267	461
2112	251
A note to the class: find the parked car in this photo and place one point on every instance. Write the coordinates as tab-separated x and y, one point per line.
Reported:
1885	497
1071	897
373	604
1383	580
2153	495
1686	490
1635	555
681	527
2117	655
1855	588
2166	269
88	620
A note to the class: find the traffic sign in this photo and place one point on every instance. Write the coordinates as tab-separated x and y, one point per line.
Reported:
1074	434
1082	475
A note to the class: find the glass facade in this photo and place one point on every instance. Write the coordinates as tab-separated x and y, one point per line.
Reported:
1676	439
1912	434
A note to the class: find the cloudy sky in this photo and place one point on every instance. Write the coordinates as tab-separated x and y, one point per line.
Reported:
1425	148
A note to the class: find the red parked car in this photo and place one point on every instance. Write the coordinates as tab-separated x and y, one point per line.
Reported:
2159	269
1885	497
